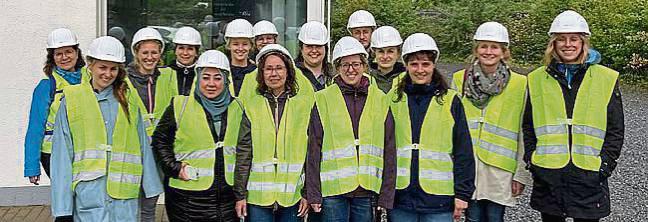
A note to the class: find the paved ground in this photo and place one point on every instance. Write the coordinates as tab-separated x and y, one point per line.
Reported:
43	214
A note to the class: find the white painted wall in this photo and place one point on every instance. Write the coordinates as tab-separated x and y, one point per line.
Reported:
24	26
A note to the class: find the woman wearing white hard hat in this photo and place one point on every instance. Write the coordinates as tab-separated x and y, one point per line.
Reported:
351	153
101	159
387	70
493	97
265	33
435	159
154	86
312	60
188	144
573	126
187	42
272	143
239	37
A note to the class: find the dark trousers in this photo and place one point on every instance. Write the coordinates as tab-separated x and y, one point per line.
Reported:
45	161
552	218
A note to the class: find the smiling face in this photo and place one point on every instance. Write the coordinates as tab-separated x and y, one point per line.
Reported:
489	53
212	82
351	69
569	46
275	73
362	34
66	57
313	55
420	68
186	54
262	40
148	56
103	73
239	48
387	57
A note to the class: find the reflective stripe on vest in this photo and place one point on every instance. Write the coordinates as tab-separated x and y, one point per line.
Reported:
495	129
348	162
434	150
166	87
194	144
124	168
278	152
46	146
588	123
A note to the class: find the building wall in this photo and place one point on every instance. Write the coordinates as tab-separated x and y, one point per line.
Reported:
23	36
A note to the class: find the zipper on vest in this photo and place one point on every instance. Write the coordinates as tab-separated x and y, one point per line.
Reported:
276	126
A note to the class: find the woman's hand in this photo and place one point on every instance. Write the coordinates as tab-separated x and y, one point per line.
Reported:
241	208
459	208
184	175
316	207
303	208
517	188
34	179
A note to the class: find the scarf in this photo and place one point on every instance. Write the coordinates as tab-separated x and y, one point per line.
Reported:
216	106
71	77
479	87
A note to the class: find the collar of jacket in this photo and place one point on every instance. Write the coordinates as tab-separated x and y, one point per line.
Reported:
421	89
398	68
361	89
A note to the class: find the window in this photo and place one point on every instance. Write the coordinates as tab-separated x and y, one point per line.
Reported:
207	16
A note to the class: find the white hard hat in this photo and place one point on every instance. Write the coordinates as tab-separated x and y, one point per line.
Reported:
569	22
264	27
361	18
107	48
239	28
272	48
313	33
146	33
385	36
420	42
214	59
347	46
492	31
187	36
61	37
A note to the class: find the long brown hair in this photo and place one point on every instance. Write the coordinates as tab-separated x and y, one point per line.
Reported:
550	53
120	87
437	78
291	81
50	64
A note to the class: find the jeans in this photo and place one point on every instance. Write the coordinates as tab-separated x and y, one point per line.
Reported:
268	214
147	208
345	209
552	218
485	211
409	216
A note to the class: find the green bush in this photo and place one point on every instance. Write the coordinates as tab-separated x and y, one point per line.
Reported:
619	28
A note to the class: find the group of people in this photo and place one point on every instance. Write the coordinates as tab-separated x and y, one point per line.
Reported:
255	133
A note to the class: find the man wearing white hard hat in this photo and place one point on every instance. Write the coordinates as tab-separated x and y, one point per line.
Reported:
101	159
435	159
187	42
63	67
239	38
312	59
493	97
154	85
361	24
387	70
351	151
573	126
199	177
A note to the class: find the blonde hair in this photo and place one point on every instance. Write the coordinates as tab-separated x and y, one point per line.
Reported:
506	53
550	53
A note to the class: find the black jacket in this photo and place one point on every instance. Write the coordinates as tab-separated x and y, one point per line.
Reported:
186	76
413	198
239	73
214	204
571	191
385	81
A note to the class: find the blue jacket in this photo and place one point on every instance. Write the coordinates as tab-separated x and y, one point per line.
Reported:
413	198
90	200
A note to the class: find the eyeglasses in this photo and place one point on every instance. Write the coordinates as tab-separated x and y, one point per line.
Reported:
354	65
277	69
